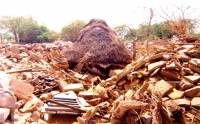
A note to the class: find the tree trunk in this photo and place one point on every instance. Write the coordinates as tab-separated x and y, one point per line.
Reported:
16	36
1	38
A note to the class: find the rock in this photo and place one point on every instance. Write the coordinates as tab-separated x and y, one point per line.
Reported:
46	96
194	65
171	65
183	57
67	87
162	88
195	101
153	66
193	79
183	101
21	89
186	71
88	95
8	100
193	92
195	61
176	94
146	118
185	84
35	116
33	104
4	113
5	80
170	74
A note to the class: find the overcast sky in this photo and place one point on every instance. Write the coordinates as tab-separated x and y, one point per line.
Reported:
57	13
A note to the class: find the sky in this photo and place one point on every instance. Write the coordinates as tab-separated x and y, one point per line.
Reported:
57	13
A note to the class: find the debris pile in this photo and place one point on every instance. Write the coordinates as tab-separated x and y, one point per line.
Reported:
97	50
160	88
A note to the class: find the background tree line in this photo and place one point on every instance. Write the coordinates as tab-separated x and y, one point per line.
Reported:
27	30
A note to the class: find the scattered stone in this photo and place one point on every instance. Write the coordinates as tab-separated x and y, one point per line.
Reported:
194	66
162	88
195	101
171	65
67	87
185	84
4	113
193	92
176	94
183	101
193	79
170	74
21	89
154	66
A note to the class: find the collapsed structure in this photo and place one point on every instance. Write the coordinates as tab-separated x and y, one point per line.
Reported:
98	49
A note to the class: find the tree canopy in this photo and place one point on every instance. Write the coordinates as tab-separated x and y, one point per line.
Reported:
70	32
26	29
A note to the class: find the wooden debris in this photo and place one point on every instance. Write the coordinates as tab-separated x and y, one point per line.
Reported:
139	93
123	107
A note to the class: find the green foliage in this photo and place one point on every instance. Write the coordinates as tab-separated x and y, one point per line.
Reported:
125	33
158	30
161	30
70	32
27	30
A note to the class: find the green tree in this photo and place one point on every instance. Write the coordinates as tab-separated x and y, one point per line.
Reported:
70	32
125	33
26	29
158	30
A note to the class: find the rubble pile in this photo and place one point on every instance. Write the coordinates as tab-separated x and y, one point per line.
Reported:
160	88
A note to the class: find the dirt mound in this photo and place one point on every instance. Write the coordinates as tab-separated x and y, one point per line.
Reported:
98	48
